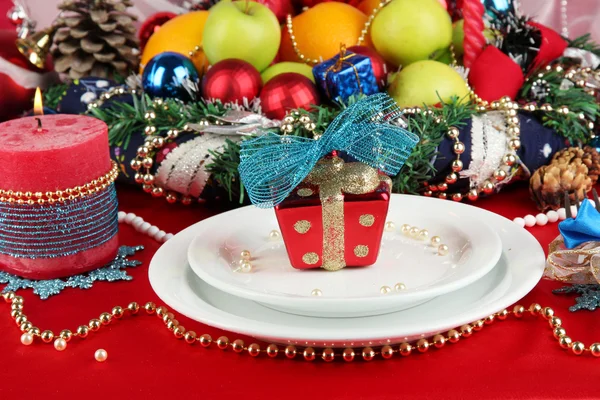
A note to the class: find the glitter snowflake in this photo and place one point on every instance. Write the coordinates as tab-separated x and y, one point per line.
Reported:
114	271
589	299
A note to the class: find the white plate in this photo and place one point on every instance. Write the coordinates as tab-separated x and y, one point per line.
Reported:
518	271
352	292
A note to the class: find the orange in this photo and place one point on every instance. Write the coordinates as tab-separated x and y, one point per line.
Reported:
180	35
367	6
320	30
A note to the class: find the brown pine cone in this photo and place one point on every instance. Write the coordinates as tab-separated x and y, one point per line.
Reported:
566	173
591	159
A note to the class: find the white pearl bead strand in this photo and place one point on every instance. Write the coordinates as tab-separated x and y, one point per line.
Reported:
144	227
542	219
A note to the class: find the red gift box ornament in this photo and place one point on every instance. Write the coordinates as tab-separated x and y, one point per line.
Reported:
323	204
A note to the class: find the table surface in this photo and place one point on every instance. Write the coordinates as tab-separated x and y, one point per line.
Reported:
508	359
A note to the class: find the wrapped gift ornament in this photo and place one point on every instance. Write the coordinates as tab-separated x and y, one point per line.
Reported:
58	206
331	213
347	74
494	75
551	48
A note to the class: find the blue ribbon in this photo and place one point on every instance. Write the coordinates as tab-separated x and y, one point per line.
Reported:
271	166
583	228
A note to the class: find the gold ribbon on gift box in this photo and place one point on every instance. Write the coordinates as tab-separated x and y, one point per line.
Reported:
334	177
580	265
337	67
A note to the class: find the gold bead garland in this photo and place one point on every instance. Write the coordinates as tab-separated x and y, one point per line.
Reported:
60	196
328	354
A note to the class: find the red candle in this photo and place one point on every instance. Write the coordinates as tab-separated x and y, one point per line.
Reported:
474	41
48	153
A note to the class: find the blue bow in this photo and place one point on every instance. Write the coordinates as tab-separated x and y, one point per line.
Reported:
583	228
271	166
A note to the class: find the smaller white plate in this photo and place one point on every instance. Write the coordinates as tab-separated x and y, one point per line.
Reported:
352	292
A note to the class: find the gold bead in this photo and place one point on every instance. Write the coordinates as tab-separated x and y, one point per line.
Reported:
368	354
478	325
205	340
272	350
453	132
26	326
309	354
94	325
565	342
171	198
47	336
578	348
414	231
157	192
514	131
405	349
555	322
387	352
21	319
8	296
105	318
66	334
328	355
179	331
453	336
535	309
488	187
133	307
458	147
15	314
457	165
150	307
595	349
559	332
245	254
83	331
117	312
290	351
423	234
502	315
422	345
466	330
473	195
16	306
35	331
405	229
222	342
17	300
161	312
457	197
515	143
348	354
518	310
254	350
238	345
509	159
451	178
190	337
500	175
439	341
547	312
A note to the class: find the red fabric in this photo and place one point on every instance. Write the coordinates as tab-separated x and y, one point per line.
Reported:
510	359
494	75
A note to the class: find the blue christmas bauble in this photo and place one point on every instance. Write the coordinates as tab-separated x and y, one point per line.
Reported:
166	74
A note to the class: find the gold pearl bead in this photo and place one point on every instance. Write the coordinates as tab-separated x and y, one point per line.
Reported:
133	307
328	355
150	307
488	187
453	132
405	349
578	348
21	319
348	354
500	175
390	226
502	315
161	312
66	334
422	345
559	332
451	178
414	231
515	144
399	287
436	240
458	147
368	354
555	322
205	340
105	318
190	337
94	325
473	195
26	326
547	313
518	311
179	331
290	351
238	345
245	254
439	341
443	250
453	336
83	331
457	165
272	350
385	289
489	320
535	309
423	234
245	267
405	229
47	336
466	330
16	306
478	325
595	349
457	197
565	342
117	312
309	354
222	342
15	314
509	159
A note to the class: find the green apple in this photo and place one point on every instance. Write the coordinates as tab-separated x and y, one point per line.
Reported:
458	36
245	30
406	31
426	83
283	67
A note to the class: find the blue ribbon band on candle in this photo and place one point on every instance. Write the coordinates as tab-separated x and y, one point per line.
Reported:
273	165
59	229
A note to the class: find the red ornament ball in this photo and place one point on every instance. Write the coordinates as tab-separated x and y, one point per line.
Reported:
281	8
379	66
286	92
151	25
231	80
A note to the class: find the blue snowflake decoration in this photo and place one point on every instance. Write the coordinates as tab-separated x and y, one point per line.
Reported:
114	271
589	299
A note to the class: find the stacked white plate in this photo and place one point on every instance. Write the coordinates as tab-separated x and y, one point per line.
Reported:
409	293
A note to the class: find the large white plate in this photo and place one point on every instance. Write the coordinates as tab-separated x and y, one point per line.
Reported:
352	292
517	272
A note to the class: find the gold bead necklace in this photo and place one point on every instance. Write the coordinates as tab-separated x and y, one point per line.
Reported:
30	333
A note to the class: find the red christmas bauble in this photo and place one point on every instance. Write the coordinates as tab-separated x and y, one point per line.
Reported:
230	81
286	92
377	62
281	8
312	3
151	25
18	78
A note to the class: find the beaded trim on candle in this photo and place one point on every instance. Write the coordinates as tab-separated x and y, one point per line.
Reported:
61	196
58	230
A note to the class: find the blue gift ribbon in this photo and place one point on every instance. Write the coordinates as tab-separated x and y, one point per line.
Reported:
271	166
59	229
583	228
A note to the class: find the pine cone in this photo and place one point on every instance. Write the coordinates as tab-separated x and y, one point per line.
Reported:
95	38
591	159
568	172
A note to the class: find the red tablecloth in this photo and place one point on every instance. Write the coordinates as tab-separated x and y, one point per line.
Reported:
510	359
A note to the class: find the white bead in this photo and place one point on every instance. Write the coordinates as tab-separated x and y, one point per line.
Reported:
168	236
137	221
153	230
399	287
552	216
530	220
121	216
390	226
385	289
129	217
143	228
316	292
27	338
574	211
60	344
100	355
160	236
519	221
274	235
541	219
562	213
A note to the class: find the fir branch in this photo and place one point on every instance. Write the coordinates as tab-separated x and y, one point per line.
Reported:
585	42
54	94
